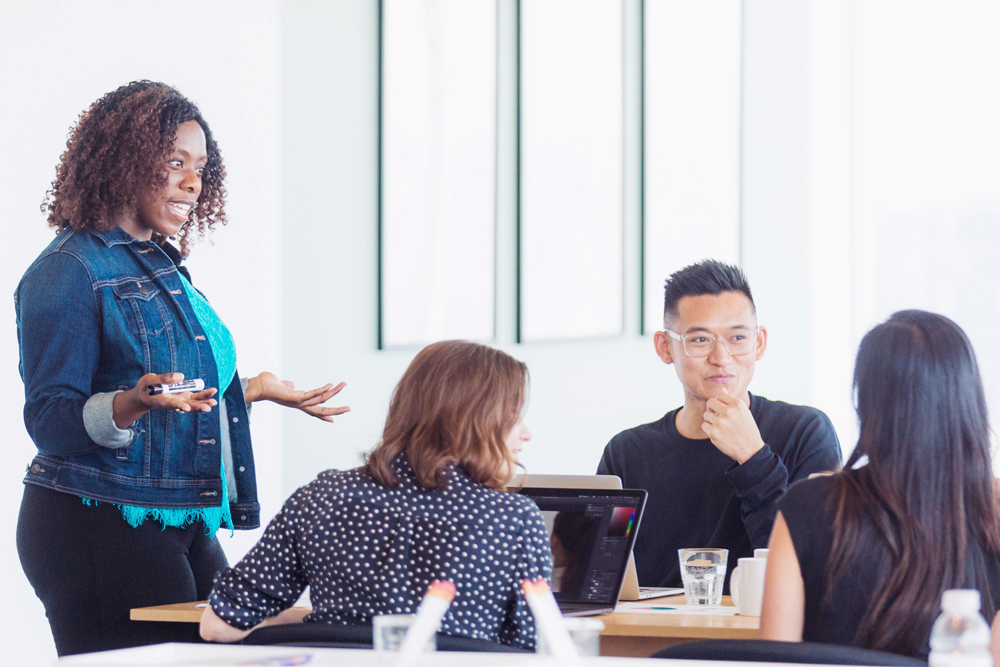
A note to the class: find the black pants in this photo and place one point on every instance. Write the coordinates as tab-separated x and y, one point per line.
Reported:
90	568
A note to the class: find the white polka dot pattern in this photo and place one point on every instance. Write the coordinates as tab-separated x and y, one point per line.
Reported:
364	549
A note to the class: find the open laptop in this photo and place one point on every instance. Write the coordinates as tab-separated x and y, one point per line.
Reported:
592	532
631	590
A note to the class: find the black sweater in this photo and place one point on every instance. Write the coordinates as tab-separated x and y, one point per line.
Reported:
699	497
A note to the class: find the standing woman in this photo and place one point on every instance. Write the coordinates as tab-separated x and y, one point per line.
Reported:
123	500
862	557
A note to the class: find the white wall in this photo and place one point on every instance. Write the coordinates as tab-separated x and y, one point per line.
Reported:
57	58
797	197
291	90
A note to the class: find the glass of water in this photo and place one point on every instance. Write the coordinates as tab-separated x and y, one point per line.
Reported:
585	633
389	631
703	572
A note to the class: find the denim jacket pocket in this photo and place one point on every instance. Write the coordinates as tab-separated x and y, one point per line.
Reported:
145	313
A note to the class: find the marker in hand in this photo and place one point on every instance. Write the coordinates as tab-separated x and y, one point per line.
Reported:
193	386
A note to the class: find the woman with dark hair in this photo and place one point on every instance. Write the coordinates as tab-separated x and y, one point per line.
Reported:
862	557
122	503
429	504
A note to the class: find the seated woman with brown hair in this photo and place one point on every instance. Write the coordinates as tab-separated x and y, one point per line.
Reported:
429	504
863	556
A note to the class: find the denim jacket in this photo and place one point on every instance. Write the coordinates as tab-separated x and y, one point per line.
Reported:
95	312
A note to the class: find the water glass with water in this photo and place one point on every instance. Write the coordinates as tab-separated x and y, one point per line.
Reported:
389	631
585	633
703	572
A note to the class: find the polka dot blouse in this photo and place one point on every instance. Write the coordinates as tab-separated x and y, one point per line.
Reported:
364	550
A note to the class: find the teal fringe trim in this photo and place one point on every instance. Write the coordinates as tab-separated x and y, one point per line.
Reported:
214	518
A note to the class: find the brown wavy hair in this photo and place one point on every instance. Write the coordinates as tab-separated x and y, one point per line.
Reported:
119	147
455	404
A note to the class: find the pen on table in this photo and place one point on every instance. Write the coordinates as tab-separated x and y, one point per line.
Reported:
429	614
549	620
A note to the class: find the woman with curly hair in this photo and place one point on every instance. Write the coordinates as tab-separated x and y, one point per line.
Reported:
122	502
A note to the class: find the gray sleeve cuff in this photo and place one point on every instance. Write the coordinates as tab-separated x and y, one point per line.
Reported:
99	420
243	387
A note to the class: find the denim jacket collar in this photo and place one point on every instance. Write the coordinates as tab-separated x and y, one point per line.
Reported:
114	236
118	236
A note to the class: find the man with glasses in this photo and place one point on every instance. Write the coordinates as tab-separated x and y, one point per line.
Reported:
714	468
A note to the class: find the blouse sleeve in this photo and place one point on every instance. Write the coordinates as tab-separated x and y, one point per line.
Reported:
534	560
269	579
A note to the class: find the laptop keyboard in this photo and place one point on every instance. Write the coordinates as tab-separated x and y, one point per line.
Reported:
571	609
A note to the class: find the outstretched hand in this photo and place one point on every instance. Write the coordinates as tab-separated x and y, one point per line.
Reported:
268	387
132	404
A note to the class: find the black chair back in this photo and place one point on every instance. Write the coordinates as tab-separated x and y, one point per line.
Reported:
328	635
760	650
312	634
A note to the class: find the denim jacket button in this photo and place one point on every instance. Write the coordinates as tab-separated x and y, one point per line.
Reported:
35	468
142	288
236	420
242	469
243	517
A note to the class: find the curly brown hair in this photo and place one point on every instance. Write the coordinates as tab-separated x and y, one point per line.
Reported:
118	147
454	405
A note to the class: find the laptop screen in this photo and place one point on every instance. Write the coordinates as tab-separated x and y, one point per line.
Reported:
591	532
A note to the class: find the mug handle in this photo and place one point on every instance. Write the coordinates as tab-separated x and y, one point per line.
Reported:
734	586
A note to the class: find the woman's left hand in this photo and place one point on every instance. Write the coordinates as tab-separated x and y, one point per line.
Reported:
268	387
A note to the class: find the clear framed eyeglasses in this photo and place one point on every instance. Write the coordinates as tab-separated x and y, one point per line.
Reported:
701	344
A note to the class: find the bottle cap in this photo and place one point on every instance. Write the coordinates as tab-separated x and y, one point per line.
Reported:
959	600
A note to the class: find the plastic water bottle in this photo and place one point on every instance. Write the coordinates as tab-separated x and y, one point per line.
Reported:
960	636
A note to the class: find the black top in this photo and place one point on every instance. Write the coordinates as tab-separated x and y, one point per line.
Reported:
699	497
809	513
364	549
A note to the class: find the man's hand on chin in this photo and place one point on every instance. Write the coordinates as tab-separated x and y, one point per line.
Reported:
731	428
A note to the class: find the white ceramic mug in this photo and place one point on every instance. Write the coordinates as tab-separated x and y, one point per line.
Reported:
747	585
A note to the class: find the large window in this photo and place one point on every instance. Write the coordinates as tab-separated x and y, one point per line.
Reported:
571	169
438	170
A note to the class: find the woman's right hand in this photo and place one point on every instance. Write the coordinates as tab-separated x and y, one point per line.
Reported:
133	403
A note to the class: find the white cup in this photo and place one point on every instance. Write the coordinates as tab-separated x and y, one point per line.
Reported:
761	553
747	585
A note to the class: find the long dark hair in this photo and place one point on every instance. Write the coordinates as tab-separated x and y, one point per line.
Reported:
926	495
454	405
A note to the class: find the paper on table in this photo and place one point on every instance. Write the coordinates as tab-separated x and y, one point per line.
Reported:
655	608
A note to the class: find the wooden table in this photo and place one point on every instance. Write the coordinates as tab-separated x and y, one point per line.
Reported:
643	634
625	634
